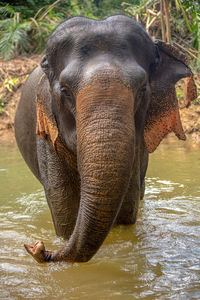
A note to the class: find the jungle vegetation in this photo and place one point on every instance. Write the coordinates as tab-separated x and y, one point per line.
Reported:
26	24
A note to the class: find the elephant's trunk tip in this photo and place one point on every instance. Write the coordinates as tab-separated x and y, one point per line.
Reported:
39	253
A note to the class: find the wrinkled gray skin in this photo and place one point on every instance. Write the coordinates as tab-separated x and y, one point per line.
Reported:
104	130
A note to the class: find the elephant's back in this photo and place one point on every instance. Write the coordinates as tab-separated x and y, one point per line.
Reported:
25	121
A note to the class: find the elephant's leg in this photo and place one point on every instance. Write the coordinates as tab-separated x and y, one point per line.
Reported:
61	185
142	190
144	159
129	208
136	189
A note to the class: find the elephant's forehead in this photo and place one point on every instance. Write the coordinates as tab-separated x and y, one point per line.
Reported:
112	28
82	23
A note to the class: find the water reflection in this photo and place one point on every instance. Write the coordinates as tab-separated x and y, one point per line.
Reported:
158	258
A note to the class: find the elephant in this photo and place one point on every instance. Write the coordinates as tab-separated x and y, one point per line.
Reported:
102	99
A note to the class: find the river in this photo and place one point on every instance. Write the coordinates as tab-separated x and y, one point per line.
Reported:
158	258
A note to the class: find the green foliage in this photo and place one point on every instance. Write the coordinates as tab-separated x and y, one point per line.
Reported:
27	8
6	11
20	36
109	7
8	86
191	14
10	83
136	7
190	11
14	36
25	26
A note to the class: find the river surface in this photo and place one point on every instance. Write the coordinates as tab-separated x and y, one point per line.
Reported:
158	258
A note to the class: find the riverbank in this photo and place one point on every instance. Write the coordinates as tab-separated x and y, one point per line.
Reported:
13	74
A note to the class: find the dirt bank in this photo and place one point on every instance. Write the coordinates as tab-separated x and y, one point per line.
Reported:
13	75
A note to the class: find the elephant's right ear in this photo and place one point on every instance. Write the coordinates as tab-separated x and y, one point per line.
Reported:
46	123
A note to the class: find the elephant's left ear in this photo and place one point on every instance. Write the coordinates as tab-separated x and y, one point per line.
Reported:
46	124
163	112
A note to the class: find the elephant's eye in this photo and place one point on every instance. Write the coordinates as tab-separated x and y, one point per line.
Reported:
65	91
85	49
123	46
143	88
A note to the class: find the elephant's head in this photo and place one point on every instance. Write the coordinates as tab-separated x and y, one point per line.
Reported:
112	90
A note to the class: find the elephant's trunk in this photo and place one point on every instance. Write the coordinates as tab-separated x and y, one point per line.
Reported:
105	150
105	139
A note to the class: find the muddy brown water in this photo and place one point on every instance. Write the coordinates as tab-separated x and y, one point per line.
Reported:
158	258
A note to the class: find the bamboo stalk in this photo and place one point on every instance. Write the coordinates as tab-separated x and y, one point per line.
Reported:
162	20
151	23
186	50
152	12
168	31
187	44
147	22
